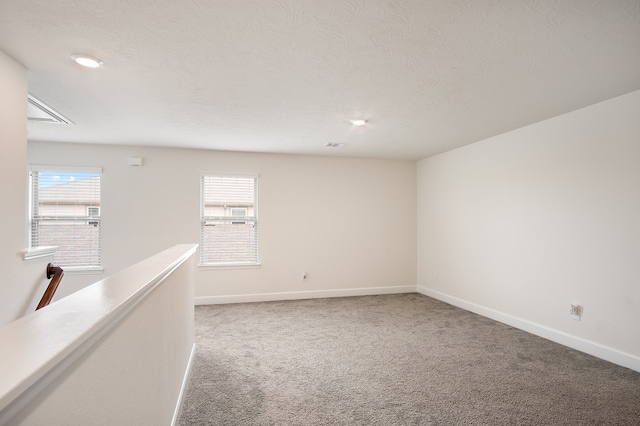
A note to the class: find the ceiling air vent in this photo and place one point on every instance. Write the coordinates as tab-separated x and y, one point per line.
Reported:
38	111
335	145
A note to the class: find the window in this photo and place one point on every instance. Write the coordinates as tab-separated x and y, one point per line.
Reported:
64	211
228	220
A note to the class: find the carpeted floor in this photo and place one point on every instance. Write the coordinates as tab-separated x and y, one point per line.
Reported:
392	360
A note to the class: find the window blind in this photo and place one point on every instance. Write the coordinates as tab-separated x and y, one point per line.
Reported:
229	220
65	212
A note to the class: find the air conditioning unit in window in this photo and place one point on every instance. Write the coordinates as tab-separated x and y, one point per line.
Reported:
93	212
238	212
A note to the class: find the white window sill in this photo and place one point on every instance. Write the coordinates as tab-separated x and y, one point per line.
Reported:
83	270
229	266
36	252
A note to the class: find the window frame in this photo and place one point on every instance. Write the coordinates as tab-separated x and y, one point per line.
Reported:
95	220
235	220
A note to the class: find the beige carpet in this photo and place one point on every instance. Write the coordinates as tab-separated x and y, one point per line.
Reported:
392	360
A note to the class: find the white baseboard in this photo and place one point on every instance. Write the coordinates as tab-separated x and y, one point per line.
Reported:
589	347
296	295
183	388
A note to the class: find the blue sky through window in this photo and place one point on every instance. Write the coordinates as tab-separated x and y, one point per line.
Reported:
50	178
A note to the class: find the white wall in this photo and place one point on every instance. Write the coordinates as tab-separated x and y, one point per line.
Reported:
520	225
117	352
13	136
349	223
21	281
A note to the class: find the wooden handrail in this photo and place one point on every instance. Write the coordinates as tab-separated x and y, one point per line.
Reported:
52	271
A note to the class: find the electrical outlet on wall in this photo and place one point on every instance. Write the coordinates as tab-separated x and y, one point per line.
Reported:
575	311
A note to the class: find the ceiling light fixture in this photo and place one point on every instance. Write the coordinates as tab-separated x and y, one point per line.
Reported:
86	60
359	122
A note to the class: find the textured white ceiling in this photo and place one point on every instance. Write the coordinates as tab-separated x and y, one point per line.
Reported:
286	76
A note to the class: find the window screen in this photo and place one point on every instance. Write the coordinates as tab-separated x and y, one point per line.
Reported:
229	220
64	211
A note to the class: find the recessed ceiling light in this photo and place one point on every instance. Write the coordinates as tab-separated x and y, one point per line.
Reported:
359	122
87	61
